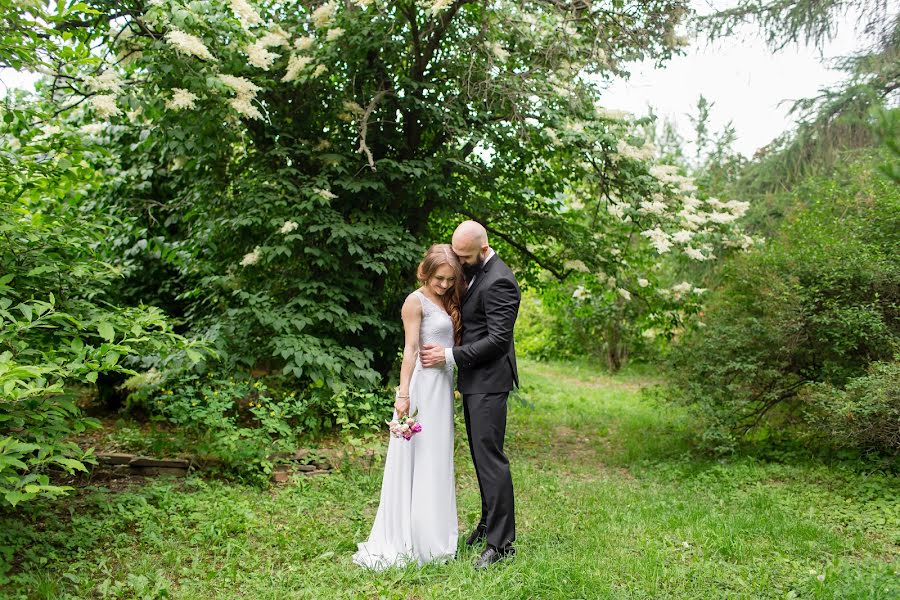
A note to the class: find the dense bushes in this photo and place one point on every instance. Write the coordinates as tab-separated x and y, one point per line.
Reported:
819	305
243	423
865	413
57	334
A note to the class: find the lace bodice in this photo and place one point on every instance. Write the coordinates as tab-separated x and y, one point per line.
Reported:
437	326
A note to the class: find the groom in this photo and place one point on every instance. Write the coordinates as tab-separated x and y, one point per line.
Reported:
487	372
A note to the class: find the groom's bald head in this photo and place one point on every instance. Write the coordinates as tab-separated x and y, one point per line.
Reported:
470	242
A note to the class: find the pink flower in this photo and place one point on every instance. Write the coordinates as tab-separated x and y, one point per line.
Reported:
417	428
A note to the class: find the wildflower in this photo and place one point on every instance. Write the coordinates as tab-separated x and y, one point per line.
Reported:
682	236
242	104
105	105
240	85
259	56
326	194
108	81
612	114
50	130
304	43
296	64
737	208
643	283
624	293
245	13
581	293
682	288
653	207
334	34
659	239
251	258
288	227
438	6
181	99
323	15
625	149
722	217
353	107
92	129
576	265
695	254
319	70
616	209
691	203
499	52
188	44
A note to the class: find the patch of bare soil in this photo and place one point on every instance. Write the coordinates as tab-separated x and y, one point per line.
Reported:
598	381
575	455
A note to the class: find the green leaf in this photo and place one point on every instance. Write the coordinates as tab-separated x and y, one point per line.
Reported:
71	463
14	497
106	331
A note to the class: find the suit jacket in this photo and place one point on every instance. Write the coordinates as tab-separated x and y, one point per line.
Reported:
487	356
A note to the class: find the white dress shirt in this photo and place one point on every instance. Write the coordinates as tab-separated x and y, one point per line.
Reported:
448	352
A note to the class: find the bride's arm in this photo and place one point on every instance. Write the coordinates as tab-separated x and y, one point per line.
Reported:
412	321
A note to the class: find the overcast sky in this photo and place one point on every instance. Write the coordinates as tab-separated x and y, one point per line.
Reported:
745	80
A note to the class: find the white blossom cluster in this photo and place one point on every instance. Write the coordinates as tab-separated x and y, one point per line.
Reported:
186	43
258	53
245	92
323	15
288	227
251	258
245	13
181	100
436	7
612	114
643	153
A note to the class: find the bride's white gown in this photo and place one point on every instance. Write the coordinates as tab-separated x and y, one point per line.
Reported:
416	519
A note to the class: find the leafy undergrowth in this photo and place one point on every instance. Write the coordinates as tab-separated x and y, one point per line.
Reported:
611	503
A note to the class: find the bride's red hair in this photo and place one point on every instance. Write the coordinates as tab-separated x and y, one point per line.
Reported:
436	256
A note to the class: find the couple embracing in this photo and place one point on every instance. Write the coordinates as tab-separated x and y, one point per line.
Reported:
463	314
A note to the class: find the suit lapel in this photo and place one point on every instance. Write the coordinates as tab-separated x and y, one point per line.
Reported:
481	277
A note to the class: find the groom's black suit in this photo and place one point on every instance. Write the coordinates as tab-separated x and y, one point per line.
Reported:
487	372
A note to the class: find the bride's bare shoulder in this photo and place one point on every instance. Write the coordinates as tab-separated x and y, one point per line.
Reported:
412	306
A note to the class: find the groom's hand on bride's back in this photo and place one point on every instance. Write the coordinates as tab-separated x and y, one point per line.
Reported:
432	355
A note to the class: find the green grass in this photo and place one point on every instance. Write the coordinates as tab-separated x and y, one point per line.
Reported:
611	503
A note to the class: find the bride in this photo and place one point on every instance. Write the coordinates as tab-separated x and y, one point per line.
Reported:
416	518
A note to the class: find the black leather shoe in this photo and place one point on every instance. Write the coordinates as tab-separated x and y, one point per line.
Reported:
491	555
478	534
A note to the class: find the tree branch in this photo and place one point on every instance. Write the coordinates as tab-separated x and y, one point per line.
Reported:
560	275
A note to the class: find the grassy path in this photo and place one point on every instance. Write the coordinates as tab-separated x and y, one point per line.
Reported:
610	504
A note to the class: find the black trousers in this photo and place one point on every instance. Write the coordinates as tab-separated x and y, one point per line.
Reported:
486	428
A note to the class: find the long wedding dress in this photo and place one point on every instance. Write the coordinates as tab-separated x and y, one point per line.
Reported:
416	519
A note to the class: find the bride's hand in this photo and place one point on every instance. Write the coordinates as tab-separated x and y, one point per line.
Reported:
401	405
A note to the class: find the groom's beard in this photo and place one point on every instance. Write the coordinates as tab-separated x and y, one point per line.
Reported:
471	271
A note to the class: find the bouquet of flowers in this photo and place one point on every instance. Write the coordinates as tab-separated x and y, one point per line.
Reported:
404	427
